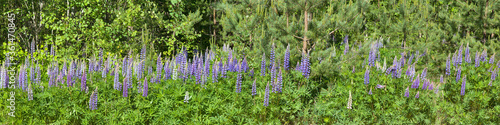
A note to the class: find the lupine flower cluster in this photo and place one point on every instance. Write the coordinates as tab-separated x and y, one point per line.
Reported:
93	100
467	54
83	83
271	56
145	88
279	84
305	65
286	62
407	92
266	96
492	59
448	66
367	76
484	54
417	95
238	81
416	82
254	88
476	60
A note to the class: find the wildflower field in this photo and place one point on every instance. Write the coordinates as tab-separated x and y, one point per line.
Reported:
250	62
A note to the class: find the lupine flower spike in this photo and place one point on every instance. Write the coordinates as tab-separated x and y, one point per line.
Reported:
370	92
417	95
266	96
367	76
407	92
254	88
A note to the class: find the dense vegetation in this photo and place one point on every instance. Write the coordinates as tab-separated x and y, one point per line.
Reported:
251	62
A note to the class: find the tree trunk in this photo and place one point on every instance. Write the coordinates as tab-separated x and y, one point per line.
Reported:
304	41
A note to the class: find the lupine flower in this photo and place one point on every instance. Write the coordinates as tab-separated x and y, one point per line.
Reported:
448	66
254	88
238	81
266	96
425	83
187	97
484	55
416	82
280	81
417	95
125	87
286	62
145	88
431	86
462	91
353	69
306	69
477	60
263	65
30	92
83	84
167	70
93	100
370	92
273	77
407	92
271	56
372	57
459	73
298	68
494	74
174	71
214	73
159	66
441	79
244	64
424	73
492	58
459	59
367	76
349	102
490	84
116	80
251	73
380	86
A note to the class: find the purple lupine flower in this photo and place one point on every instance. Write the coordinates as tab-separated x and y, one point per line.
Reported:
273	77
492	58
441	79
244	64
425	83
266	96
448	66
370	92
30	92
145	88
484	55
207	66
271	56
494	74
407	92
353	69
286	62
238	80
417	95
83	83
462	91
125	87
251	73
416	83
166	69
263	65
214	73
306	69
254	88
159	66
455	58
372	57
431	86
380	86
477	59
98	67
346	47
411	58
93	100
298	68
367	76
459	59
467	54
116	80
424	73
280	81
459	72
